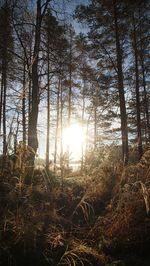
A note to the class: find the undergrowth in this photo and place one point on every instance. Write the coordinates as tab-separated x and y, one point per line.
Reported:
97	221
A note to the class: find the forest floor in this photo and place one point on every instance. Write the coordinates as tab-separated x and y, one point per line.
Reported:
100	218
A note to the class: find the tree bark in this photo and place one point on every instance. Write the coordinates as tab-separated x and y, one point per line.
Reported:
61	135
124	129
57	125
146	106
139	133
48	111
24	104
1	105
83	112
32	137
70	92
33	116
4	105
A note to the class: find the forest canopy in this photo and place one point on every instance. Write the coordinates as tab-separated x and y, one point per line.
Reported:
89	71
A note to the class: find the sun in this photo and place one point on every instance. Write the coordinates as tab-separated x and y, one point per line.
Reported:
73	138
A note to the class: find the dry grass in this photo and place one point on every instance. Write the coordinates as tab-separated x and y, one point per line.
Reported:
127	221
80	254
76	225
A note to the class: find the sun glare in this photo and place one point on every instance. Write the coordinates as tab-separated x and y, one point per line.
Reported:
73	138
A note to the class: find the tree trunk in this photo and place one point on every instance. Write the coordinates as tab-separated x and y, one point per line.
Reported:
48	112
24	104
57	125
139	134
95	117
83	112
29	89
33	117
61	133
145	103
146	106
124	129
16	135
95	127
70	93
4	105
1	105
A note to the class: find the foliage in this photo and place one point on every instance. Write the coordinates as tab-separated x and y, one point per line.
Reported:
126	223
86	223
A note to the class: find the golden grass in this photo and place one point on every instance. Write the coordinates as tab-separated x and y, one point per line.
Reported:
80	254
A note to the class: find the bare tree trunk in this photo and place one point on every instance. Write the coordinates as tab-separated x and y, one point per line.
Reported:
61	132
29	102
95	127
95	117
29	90
83	112
33	117
124	129
1	105
139	134
70	92
4	106
70	88
48	112
24	103
146	106
145	129
32	137
16	135
57	125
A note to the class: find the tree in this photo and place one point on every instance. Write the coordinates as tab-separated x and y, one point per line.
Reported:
123	114
104	19
139	101
6	44
139	133
33	116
